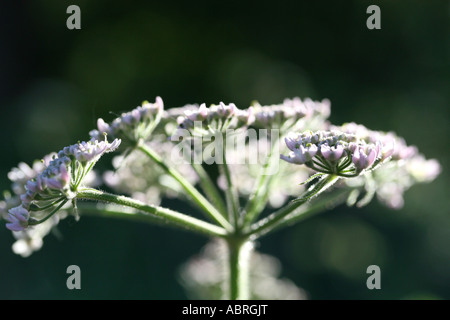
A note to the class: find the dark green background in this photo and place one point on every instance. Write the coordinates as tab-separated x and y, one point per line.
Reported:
55	83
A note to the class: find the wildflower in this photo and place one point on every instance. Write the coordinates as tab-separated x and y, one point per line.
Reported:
19	177
389	182
31	239
393	180
134	125
18	218
392	145
333	152
25	186
292	114
205	121
58	182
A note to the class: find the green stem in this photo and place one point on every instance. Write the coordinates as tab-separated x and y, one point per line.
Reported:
303	212
258	198
209	188
198	198
35	222
230	193
275	218
239	253
168	215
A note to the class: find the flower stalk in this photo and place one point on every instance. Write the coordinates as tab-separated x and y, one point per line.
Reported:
198	198
168	215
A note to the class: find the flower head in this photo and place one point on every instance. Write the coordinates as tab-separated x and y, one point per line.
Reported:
332	152
392	146
57	183
293	114
406	166
132	126
203	121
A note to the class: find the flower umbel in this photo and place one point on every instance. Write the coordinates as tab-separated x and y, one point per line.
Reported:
292	114
205	121
134	125
58	182
333	152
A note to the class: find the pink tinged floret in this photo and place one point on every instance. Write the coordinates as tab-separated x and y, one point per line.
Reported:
114	145
136	114
311	152
159	102
197	115
325	151
358	158
65	176
299	155
53	183
27	197
32	186
291	141
291	158
371	157
18	218
363	159
102	126
40	183
251	115
337	152
226	110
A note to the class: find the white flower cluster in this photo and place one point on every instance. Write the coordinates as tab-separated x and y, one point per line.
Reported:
134	125
335	152
405	168
293	114
30	239
204	121
58	182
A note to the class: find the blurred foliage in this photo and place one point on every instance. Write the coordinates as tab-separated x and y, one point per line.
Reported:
55	82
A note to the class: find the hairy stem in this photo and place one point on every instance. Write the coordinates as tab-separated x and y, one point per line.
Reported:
239	252
307	210
271	222
170	216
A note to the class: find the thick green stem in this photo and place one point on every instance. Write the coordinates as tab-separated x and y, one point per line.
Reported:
275	218
168	215
239	253
198	198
